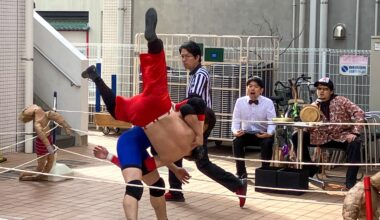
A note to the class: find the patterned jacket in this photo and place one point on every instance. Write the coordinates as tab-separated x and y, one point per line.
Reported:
342	110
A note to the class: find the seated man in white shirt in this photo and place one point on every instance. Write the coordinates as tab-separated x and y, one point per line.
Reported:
250	108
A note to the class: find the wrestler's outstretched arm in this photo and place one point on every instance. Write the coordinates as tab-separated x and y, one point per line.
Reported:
151	163
60	120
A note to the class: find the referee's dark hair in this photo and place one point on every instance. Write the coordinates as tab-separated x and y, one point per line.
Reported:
192	48
257	80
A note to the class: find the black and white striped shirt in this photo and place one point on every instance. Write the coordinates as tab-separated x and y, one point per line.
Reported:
199	83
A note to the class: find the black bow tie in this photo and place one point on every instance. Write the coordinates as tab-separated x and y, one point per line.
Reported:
253	101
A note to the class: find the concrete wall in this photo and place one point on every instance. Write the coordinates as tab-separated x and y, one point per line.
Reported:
74	36
12	71
60	72
247	17
344	11
221	17
95	9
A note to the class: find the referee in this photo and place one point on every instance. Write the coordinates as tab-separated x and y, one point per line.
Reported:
199	85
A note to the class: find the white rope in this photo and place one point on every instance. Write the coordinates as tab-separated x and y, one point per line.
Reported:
296	124
21	165
294	162
28	139
10	133
82	112
178	190
106	161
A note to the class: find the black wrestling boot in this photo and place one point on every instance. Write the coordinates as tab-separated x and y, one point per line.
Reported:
90	72
150	25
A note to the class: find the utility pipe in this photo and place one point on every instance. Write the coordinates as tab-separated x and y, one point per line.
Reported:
357	25
312	40
376	14
301	33
294	6
323	24
29	7
323	37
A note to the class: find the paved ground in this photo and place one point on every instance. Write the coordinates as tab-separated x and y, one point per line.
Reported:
96	193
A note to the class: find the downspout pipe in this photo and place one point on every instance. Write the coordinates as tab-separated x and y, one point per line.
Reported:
29	7
294	6
312	40
357	25
376	15
323	36
301	32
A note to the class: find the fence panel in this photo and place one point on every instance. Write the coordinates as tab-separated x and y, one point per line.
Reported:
242	59
325	62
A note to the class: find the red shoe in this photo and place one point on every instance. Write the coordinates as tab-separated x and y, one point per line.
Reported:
174	197
242	191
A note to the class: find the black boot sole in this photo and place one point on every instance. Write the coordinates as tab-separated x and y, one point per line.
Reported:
89	72
150	25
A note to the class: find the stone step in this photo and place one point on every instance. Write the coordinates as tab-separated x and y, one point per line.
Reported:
64	141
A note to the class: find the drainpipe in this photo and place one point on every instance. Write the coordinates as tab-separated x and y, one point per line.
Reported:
323	37
29	7
301	39
294	6
312	43
357	25
356	41
293	32
376	14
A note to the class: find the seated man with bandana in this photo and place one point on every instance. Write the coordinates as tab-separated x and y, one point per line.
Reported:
335	109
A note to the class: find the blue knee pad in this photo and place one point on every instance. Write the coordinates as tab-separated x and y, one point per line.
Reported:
134	191
158	192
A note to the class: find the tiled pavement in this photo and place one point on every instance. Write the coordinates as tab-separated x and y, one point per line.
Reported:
99	191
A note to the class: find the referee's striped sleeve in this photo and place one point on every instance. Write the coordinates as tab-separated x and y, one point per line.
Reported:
200	81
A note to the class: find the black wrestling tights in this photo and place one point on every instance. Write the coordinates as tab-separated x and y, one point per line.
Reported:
108	96
155	46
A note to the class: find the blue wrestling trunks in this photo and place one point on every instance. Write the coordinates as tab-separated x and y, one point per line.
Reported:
132	148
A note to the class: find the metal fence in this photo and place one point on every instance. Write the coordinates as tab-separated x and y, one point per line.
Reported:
243	58
325	62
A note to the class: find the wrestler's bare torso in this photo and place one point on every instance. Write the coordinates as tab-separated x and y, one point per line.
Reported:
171	137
